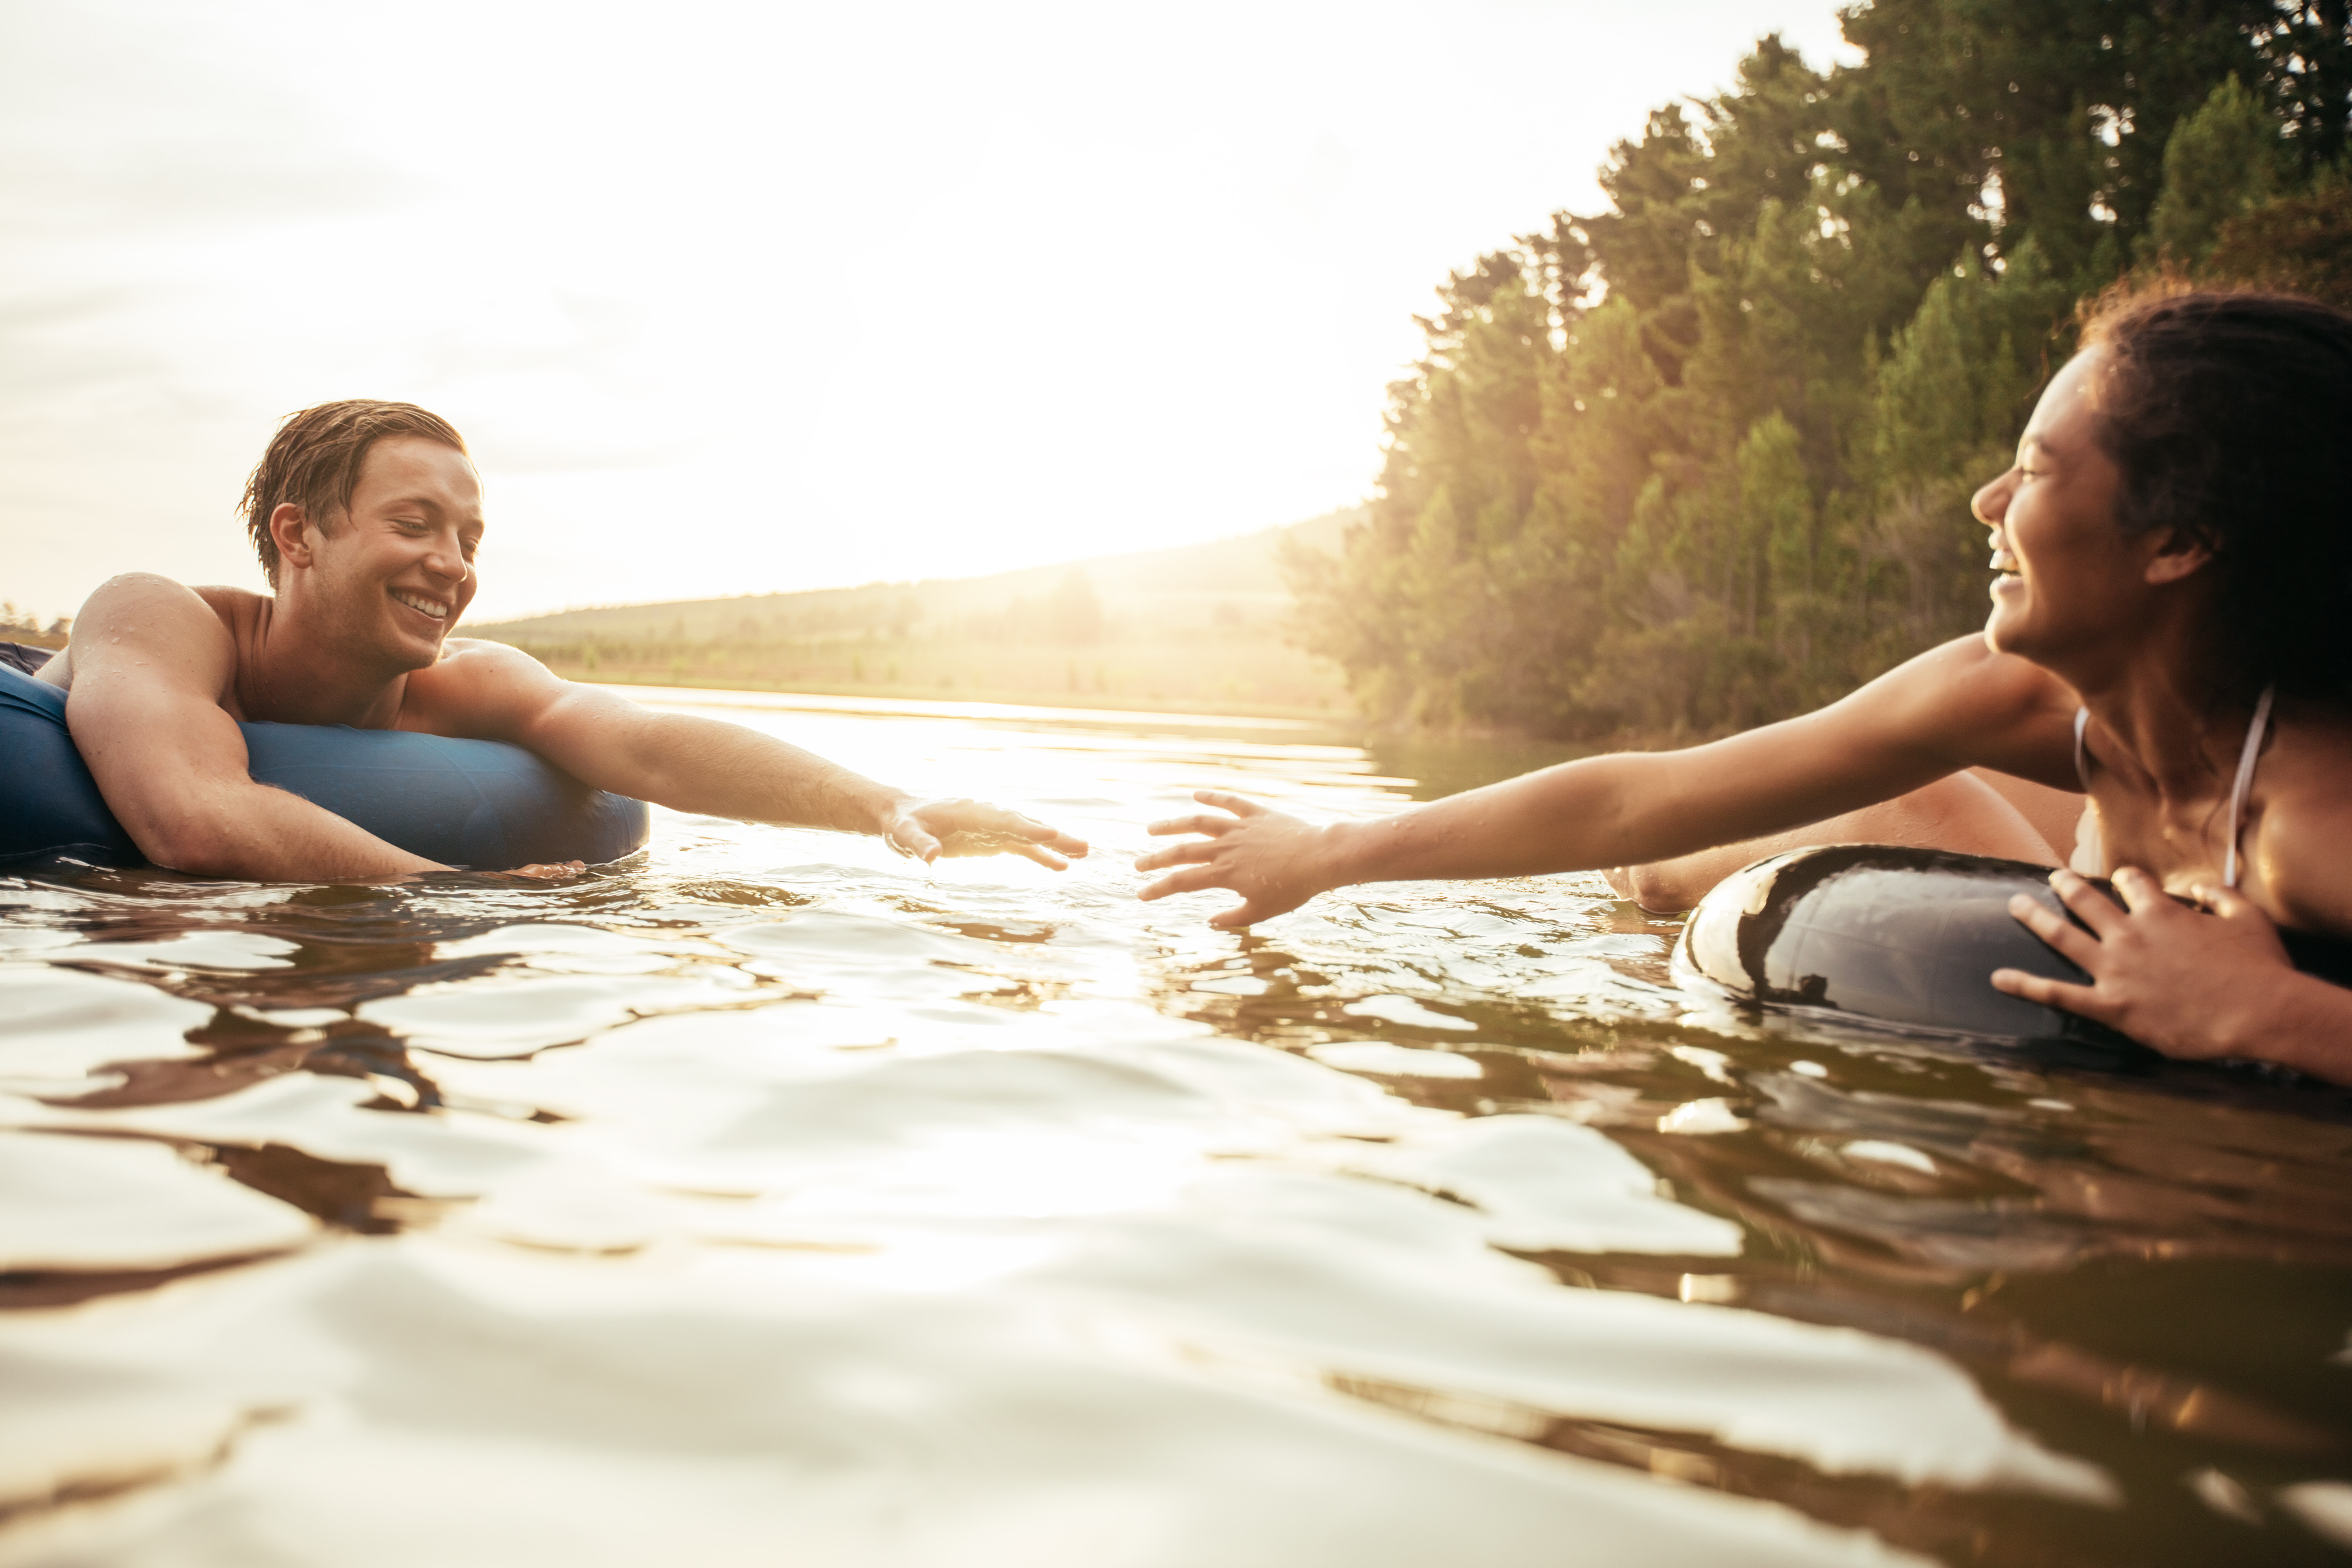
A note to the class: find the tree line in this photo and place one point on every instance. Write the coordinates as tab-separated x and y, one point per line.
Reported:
1702	459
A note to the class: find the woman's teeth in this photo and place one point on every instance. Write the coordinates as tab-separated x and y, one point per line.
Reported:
434	607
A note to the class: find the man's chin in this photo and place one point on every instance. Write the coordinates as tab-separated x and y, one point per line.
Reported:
412	630
413	650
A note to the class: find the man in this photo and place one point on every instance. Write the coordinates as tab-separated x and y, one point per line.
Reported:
367	516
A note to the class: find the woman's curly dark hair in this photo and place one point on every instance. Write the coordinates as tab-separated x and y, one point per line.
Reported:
2230	415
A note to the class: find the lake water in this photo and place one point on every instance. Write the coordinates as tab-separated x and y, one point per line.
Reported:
766	1200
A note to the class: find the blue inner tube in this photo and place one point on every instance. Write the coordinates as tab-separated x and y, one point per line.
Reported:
481	805
1878	934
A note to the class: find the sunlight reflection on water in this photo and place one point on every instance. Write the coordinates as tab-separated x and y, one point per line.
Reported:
766	1199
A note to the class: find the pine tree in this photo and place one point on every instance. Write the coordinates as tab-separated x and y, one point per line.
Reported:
2225	159
1705	459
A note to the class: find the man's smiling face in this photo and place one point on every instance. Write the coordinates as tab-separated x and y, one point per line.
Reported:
396	572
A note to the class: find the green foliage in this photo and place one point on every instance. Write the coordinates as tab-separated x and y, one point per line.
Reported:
2223	160
1704	459
24	626
2301	242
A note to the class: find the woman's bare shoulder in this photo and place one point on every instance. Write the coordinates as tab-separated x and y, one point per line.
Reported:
2001	683
2301	836
1973	707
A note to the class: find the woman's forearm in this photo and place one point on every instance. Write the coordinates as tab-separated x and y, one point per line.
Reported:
1571	817
2304	1022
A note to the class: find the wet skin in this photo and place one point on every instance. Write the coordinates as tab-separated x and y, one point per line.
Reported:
2082	616
158	676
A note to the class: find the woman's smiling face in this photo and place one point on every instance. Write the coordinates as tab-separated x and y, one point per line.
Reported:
2068	575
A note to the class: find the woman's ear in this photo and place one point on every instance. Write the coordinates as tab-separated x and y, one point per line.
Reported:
2174	556
289	531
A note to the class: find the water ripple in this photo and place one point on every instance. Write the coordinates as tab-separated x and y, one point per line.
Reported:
767	1198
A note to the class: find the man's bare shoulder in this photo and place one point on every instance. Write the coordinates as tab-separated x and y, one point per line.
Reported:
141	593
469	659
144	615
230	602
127	587
480	688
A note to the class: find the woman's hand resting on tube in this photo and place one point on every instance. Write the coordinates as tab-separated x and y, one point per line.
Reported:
2195	979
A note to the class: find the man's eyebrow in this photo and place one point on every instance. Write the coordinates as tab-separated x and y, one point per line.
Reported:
430	504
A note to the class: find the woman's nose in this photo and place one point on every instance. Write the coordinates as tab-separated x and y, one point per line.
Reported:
1990	504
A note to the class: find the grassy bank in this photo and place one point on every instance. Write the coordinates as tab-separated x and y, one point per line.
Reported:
1202	628
1253	676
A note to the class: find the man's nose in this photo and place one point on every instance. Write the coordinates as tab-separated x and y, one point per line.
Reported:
448	559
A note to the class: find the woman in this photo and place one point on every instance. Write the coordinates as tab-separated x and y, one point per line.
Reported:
2171	632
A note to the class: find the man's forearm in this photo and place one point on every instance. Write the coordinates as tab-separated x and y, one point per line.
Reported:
252	832
717	769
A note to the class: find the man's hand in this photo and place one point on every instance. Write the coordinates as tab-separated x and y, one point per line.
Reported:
545	871
1275	862
929	829
2191	982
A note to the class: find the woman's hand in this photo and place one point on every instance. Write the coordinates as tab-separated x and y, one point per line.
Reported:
929	829
1275	862
2193	982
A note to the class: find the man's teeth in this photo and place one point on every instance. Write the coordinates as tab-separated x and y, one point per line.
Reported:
433	607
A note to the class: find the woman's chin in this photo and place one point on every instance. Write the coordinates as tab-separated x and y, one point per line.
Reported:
2006	621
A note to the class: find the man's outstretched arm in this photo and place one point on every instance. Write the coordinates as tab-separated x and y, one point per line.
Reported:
151	661
712	767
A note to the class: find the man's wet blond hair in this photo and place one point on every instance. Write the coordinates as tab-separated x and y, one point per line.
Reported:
314	461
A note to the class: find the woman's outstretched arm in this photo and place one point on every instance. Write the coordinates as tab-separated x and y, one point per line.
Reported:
1951	706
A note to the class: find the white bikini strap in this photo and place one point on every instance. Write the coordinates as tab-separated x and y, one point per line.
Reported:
2082	757
2246	777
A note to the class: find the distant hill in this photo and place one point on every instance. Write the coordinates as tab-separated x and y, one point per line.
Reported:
1197	624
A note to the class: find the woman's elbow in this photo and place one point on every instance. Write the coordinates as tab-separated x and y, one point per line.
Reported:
1664	888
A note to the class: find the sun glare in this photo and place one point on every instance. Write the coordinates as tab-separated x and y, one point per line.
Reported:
759	299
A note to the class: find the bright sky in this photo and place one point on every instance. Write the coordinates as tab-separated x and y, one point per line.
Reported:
742	298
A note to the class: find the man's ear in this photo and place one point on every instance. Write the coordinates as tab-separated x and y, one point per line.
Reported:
289	530
2174	557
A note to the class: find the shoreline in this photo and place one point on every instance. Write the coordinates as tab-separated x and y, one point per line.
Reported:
1076	702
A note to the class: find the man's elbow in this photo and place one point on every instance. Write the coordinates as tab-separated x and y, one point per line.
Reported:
199	856
198	844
